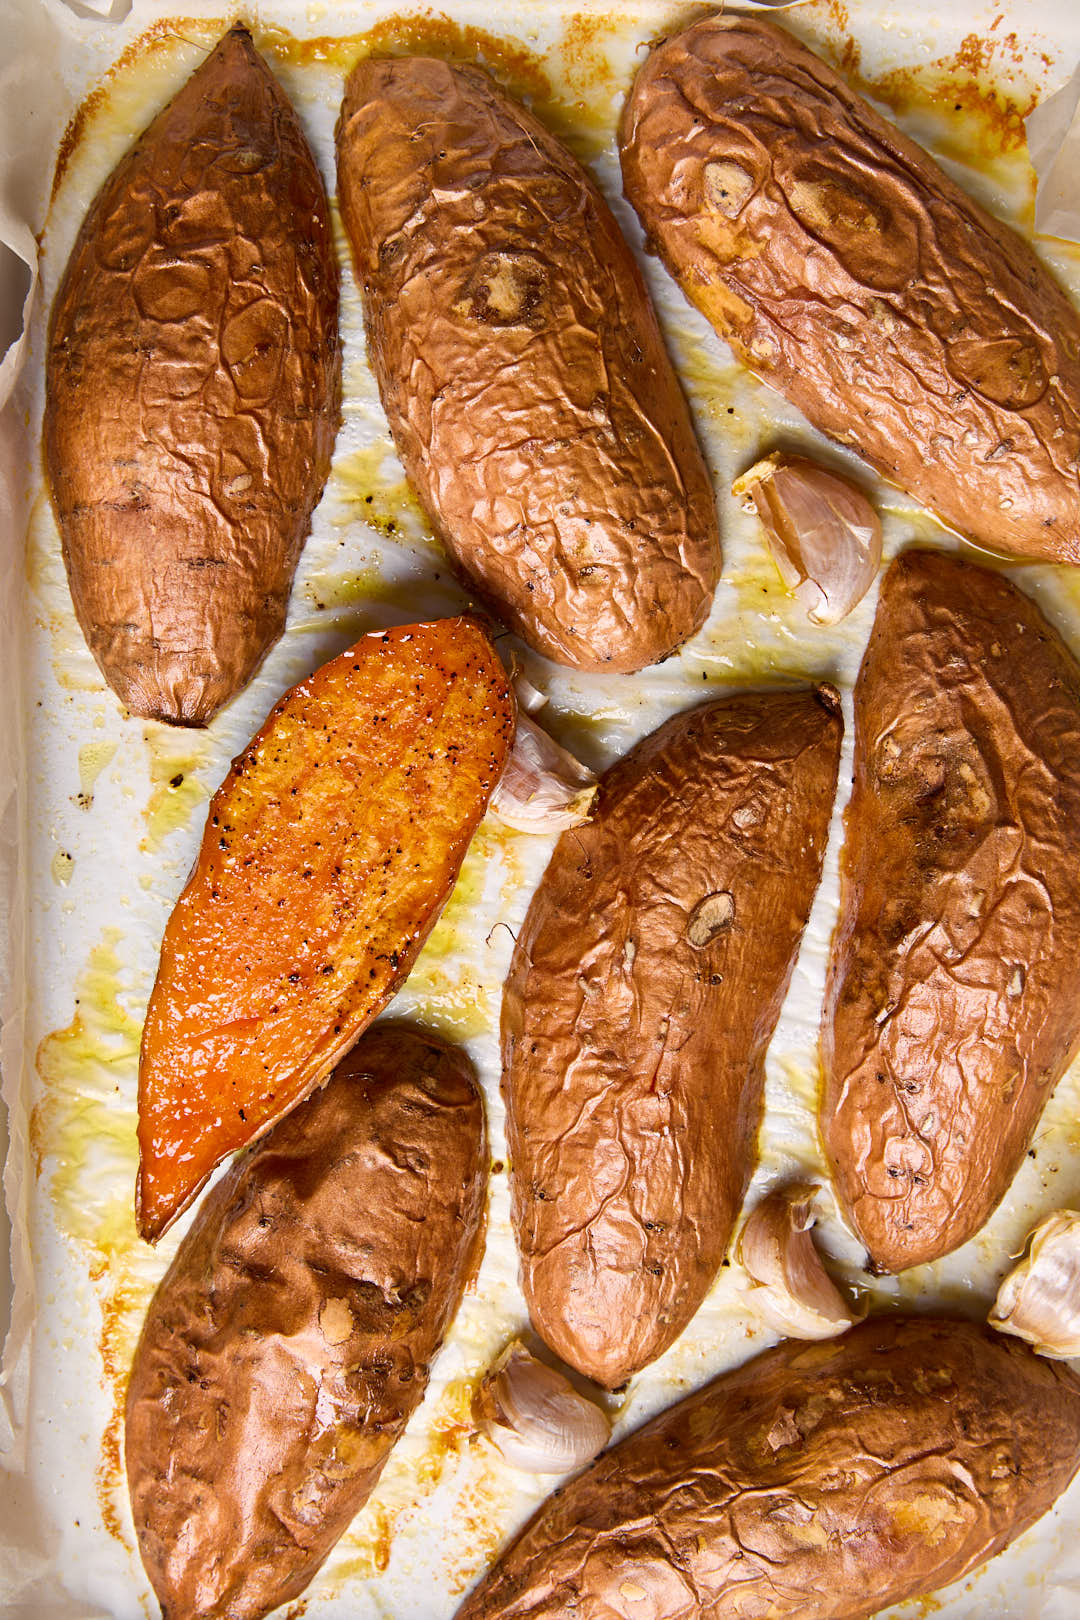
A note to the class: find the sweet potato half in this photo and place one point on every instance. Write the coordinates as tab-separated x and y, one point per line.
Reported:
953	1001
291	1339
644	989
817	1482
522	369
193	384
850	272
329	851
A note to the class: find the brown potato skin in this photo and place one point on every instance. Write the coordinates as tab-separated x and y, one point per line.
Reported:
289	1343
633	1078
329	851
953	1000
856	278
522	370
193	383
817	1482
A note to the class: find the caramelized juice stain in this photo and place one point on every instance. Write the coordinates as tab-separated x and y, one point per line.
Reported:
572	111
160	36
93	758
175	788
408	1480
73	663
84	1122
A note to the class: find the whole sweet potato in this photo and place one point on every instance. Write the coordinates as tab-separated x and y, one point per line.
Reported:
953	1000
846	269
522	370
329	851
192	390
817	1482
290	1341
643	992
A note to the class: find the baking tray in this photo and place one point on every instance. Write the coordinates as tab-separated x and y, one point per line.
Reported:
100	815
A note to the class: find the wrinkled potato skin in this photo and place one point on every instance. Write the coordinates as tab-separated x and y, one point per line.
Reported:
849	272
289	1343
193	390
633	1060
817	1482
953	1000
329	851
519	361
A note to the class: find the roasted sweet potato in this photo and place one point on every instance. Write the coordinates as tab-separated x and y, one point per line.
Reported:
192	390
643	992
817	1482
286	1348
329	851
953	1001
522	370
849	272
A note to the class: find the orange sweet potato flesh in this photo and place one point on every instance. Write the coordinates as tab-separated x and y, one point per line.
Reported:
329	851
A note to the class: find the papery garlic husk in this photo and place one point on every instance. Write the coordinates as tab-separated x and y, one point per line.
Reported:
543	788
1040	1298
529	697
824	535
795	1295
536	1417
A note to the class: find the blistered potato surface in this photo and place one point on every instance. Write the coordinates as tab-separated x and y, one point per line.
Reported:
116	807
293	1335
953	1002
819	1482
522	372
846	269
193	390
644	989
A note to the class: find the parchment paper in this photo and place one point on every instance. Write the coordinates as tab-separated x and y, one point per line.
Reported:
100	815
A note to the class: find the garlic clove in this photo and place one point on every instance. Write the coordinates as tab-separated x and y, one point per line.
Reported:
824	535
529	697
536	1417
1040	1298
794	1293
543	788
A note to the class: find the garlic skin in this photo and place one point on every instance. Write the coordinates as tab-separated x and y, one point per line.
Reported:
794	1293
536	1417
824	535
543	789
1040	1298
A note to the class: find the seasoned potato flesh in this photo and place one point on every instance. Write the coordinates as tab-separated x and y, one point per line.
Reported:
329	851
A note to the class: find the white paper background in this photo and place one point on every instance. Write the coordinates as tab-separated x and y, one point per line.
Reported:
94	843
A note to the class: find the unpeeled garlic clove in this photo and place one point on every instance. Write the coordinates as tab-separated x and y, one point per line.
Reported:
543	788
794	1294
536	1417
824	535
1040	1298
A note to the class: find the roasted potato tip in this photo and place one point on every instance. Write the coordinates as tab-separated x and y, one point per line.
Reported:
643	991
522	370
826	1481
953	1000
290	1341
847	270
329	851
193	390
